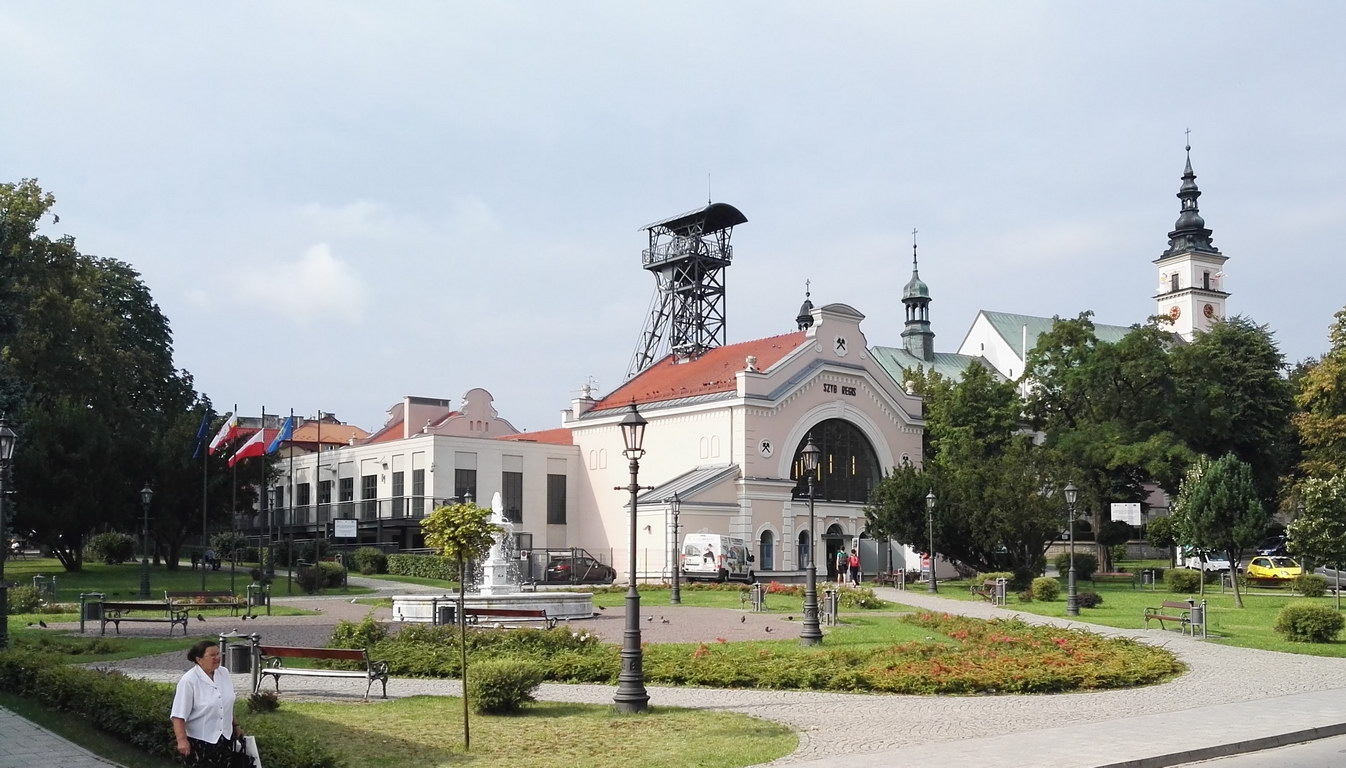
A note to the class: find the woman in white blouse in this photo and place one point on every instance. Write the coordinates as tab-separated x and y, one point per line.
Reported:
203	709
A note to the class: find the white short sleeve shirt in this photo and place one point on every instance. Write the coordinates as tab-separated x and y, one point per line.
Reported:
205	705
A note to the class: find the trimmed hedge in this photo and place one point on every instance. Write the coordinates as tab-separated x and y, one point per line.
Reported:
369	560
1182	580
1046	589
111	548
1311	584
502	685
423	566
1309	623
1085	564
136	711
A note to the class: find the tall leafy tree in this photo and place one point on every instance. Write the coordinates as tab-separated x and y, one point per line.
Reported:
1218	508
1319	533
995	504
1321	403
1236	399
1107	407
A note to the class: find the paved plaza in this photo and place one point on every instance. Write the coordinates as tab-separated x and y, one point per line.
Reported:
1232	699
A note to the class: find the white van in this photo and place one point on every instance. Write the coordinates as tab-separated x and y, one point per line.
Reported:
711	557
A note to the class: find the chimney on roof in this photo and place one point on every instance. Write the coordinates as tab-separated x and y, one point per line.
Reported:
751	364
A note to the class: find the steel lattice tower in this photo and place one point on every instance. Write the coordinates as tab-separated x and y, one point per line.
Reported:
688	254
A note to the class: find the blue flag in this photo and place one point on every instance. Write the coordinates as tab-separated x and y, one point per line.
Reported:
286	432
201	433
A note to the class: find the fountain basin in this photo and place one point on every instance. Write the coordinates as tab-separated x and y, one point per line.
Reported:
565	606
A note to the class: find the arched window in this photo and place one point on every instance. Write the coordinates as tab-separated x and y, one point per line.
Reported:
803	550
848	468
766	548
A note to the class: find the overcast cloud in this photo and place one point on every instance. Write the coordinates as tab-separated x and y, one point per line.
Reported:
340	203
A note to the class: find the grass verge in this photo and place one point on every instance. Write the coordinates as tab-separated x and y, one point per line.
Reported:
427	731
80	731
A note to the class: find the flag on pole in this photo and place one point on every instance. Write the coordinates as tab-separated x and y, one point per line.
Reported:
228	431
286	432
254	446
201	433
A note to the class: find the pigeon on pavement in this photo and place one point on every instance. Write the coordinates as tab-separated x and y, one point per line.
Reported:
743	619
768	629
42	623
199	617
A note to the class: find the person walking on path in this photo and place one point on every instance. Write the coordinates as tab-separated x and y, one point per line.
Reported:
203	710
855	567
843	562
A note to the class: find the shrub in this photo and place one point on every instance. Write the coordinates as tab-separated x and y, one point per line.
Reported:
370	560
334	574
1088	599
1118	552
423	566
309	578
502	685
25	599
1182	580
859	597
263	702
111	548
1046	589
1026	596
1085	564
230	546
992	576
1311	584
1309	623
365	633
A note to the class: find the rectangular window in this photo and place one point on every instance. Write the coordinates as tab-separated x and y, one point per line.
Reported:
302	495
1173	282
369	493
511	495
324	500
465	484
418	492
1205	280
399	489
345	497
556	499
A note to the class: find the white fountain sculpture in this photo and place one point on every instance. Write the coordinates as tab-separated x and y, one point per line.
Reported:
499	587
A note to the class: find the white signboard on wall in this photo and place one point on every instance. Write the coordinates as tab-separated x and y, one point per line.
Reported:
1127	512
344	529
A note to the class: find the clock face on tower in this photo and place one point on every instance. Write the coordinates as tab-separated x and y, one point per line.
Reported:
1175	312
1208	311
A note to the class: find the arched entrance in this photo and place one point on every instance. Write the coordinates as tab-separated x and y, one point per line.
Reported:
834	540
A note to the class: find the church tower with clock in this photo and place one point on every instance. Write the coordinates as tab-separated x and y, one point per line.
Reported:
1191	272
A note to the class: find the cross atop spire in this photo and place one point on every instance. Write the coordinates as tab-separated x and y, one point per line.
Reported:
913	248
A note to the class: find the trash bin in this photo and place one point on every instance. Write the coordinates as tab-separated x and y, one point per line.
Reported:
237	652
45	585
90	608
259	595
758	597
446	615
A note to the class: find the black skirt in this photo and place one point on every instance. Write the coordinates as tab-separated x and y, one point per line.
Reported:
221	754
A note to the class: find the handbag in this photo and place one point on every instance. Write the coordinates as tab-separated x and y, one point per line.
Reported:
245	754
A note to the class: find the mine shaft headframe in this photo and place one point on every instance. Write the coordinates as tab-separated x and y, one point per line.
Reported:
687	254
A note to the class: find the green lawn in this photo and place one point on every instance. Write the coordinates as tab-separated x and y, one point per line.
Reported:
427	731
1124	607
88	648
122	582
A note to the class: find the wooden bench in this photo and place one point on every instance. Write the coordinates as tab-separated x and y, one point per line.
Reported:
1172	610
1118	577
474	615
271	662
208	599
989	590
891	578
115	613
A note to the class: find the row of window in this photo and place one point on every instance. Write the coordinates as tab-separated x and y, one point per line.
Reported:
465	485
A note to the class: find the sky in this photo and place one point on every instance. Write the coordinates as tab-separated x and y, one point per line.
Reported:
337	204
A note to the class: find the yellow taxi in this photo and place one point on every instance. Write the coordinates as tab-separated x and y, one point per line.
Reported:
1273	567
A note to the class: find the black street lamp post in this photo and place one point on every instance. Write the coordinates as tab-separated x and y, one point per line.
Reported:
676	506
146	495
932	585
1072	604
8	437
811	633
631	697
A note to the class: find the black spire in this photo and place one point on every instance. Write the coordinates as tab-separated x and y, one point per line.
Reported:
1189	232
805	317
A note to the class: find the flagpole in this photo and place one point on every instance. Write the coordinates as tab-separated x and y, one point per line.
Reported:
289	497
205	477
233	516
261	504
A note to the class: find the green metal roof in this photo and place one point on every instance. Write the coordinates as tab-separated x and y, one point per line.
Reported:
951	365
1011	328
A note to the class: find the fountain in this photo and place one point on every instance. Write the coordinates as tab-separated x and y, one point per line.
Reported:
499	586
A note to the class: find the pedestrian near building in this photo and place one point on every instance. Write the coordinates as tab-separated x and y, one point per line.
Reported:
842	564
855	567
203	710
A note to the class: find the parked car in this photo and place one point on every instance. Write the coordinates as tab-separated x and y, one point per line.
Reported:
578	570
1209	562
1272	545
1272	567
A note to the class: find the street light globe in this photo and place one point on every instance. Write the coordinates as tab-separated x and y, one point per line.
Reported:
146	495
